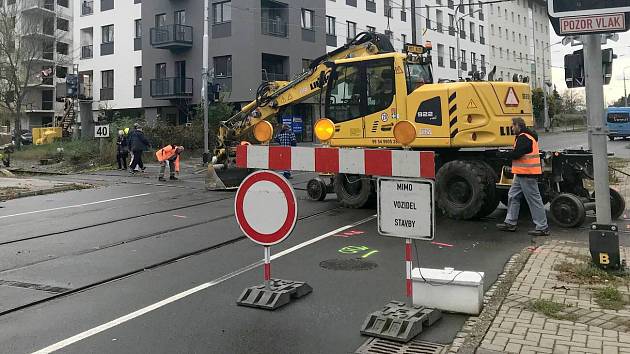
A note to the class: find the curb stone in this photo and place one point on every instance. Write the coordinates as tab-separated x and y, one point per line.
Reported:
475	328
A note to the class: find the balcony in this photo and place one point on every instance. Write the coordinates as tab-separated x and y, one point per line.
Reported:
39	7
451	30
87	8
172	37
85	91
483	69
269	76
277	28
463	66
473	67
439	27
462	34
137	43
87	52
39	32
172	87
472	37
481	16
137	91
482	40
453	64
107	94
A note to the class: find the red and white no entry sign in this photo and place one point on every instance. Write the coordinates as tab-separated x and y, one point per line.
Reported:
266	207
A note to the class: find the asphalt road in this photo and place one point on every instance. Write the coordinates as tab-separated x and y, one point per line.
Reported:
138	266
579	140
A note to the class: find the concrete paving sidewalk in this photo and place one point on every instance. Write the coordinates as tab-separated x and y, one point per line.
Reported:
559	304
11	188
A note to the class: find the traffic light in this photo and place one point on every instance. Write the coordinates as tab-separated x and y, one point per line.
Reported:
574	67
72	85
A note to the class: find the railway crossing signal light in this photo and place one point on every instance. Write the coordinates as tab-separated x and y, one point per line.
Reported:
574	67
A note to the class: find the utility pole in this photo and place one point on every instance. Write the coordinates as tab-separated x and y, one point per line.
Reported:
457	36
597	126
204	79
625	93
414	36
547	122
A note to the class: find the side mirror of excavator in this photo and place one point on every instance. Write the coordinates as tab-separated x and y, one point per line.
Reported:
322	79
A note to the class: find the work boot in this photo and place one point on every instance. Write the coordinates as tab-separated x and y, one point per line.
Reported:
545	232
161	179
507	227
173	178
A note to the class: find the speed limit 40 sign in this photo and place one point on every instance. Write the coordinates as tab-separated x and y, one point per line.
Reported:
101	131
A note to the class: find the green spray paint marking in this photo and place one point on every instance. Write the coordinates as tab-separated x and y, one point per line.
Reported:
358	249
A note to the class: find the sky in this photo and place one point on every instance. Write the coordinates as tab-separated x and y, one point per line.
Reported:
614	90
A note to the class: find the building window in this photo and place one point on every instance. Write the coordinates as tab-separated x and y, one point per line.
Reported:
62	48
223	66
107	5
107	79
179	17
138	28
494	52
463	56
330	26
108	34
63	3
222	12
160	70
63	24
483	60
473	58
160	20
307	19
351	31
306	64
138	75
403	38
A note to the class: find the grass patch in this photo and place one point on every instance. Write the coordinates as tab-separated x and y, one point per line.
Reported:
551	309
610	298
80	154
589	273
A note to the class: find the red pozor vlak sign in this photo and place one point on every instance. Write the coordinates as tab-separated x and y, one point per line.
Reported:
266	207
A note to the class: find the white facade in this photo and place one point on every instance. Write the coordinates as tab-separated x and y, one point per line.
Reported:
519	37
355	16
457	32
91	54
40	105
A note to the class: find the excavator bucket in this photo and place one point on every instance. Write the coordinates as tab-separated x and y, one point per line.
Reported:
220	178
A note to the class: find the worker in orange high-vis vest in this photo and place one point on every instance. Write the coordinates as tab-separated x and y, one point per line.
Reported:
170	154
527	168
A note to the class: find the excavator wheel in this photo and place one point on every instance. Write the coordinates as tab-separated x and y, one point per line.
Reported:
316	189
353	191
491	202
461	189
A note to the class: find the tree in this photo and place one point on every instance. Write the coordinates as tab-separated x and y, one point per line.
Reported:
555	104
573	102
27	54
621	102
539	106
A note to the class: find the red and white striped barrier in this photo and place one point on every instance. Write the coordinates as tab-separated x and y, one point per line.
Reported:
372	162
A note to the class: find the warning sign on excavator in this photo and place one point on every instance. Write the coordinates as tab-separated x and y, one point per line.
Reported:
471	104
511	99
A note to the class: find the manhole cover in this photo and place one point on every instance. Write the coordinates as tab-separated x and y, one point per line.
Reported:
384	346
348	264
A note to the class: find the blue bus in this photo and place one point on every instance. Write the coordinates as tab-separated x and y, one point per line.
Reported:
618	122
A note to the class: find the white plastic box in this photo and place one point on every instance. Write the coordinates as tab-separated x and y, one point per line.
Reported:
448	289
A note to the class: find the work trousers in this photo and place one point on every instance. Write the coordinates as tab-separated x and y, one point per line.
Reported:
526	187
171	165
137	160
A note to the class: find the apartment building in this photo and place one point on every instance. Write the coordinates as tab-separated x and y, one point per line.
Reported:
346	18
250	41
519	37
48	23
108	44
458	31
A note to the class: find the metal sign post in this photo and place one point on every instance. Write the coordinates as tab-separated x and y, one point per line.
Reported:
266	210
405	210
590	19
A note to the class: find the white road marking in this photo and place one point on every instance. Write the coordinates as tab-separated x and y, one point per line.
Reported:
74	206
120	320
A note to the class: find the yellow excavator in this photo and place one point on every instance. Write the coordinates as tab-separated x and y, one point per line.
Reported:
366	88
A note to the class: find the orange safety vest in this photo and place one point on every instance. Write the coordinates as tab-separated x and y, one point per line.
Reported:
166	153
528	164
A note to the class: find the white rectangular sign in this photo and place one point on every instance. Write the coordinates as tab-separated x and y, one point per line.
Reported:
405	208
595	23
101	131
